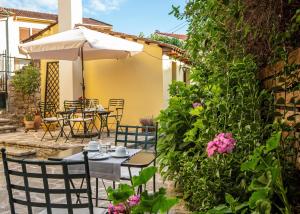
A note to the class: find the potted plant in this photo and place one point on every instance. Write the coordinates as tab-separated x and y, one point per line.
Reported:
147	122
27	81
29	121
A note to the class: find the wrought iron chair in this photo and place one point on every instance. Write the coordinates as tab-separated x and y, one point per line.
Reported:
80	120
116	106
70	194
144	137
49	118
91	103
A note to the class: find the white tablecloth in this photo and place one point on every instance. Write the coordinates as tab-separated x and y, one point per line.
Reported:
109	169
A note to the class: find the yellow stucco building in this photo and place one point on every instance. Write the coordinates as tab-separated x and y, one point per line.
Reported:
142	80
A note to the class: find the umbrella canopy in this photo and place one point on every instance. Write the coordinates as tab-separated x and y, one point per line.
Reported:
81	42
67	46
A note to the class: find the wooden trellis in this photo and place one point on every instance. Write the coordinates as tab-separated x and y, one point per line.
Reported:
52	83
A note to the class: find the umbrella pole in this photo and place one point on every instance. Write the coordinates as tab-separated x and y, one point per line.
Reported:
82	73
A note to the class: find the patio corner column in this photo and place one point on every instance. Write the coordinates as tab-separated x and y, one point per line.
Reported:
69	14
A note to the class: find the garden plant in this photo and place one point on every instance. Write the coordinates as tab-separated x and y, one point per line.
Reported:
214	134
125	200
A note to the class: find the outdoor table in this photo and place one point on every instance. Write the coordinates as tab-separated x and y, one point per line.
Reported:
103	118
109	169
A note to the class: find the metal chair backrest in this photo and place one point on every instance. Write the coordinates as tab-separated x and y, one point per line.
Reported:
73	105
21	171
114	104
140	136
47	109
91	103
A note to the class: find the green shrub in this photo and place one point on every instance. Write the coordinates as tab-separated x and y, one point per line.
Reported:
27	81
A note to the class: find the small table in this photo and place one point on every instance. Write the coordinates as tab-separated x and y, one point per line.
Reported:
104	169
103	118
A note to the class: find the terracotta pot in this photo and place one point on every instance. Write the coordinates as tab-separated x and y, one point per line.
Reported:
37	121
29	124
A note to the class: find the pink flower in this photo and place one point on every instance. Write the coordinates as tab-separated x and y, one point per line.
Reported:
222	143
195	105
116	209
134	200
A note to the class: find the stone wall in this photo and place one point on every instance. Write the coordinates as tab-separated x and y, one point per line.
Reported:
16	103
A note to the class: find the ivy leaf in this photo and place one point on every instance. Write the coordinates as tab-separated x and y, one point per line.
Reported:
220	209
273	141
229	199
144	176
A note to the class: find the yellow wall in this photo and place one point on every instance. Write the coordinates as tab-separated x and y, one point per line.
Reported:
43	65
138	80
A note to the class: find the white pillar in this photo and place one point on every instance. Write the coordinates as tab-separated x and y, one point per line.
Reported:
70	79
167	78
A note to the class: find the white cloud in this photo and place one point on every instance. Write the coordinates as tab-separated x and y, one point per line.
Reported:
90	6
103	5
35	5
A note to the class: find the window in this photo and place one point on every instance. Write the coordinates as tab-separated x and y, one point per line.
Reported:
24	33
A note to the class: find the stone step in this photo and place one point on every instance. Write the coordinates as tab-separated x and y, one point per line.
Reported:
8	128
4	121
18	152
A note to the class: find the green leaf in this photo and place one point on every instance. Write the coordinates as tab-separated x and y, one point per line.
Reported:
273	141
261	182
229	199
144	176
167	204
264	206
121	194
241	206
258	195
220	209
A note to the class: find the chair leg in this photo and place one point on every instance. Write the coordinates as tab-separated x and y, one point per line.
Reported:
97	192
47	130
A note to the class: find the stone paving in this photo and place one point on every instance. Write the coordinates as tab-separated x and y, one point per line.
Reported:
48	147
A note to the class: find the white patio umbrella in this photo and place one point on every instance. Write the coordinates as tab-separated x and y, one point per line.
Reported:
81	42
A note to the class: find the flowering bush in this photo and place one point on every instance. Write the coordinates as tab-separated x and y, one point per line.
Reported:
223	143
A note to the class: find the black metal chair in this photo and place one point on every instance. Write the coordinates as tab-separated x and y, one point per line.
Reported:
49	118
116	106
69	192
144	137
80	119
91	103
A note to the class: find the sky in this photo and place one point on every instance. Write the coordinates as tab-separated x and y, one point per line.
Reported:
128	16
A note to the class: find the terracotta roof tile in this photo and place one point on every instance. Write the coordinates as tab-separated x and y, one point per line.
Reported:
48	16
167	48
174	35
